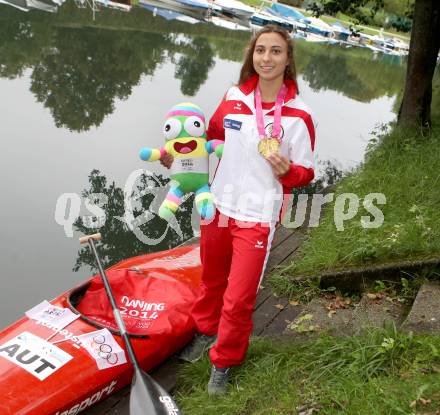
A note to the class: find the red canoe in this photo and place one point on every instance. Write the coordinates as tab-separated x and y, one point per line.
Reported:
31	383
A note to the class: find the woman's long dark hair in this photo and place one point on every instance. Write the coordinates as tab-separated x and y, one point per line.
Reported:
247	70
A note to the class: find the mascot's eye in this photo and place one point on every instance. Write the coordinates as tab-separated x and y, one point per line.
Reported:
172	128
194	126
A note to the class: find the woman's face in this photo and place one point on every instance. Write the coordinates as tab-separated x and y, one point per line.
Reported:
270	56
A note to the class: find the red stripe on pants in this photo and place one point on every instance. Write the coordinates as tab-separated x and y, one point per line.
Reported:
233	259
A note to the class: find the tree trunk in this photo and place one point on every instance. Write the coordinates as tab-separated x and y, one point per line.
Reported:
415	110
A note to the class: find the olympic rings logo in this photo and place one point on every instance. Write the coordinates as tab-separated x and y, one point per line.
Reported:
104	350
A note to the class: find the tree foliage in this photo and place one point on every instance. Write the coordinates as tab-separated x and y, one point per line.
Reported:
352	72
85	71
193	67
350	7
119	241
415	110
78	71
21	42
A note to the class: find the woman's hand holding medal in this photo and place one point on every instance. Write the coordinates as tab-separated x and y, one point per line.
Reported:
280	164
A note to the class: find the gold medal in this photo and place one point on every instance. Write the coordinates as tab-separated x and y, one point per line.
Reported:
268	146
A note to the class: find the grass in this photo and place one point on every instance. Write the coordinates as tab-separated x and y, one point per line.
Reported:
405	169
381	372
347	21
374	30
257	3
303	291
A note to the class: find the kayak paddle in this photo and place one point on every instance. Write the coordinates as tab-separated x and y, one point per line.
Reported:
147	397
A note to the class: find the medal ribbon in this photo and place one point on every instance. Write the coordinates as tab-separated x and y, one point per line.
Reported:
276	130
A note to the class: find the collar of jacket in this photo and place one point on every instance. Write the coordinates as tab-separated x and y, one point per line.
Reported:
248	86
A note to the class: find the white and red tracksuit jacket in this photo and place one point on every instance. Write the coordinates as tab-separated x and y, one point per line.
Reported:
244	186
246	192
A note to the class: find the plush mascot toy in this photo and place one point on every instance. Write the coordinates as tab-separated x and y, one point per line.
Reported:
185	137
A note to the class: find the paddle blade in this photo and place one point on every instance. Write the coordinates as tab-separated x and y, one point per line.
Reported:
147	397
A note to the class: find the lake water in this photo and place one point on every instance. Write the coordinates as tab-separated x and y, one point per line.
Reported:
79	96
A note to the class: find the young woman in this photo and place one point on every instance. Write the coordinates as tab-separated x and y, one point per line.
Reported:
269	136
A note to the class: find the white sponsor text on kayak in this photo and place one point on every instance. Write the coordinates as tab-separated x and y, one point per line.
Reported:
68	335
89	401
191	259
169	404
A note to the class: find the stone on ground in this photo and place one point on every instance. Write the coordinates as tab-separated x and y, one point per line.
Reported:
320	315
316	318
378	311
424	316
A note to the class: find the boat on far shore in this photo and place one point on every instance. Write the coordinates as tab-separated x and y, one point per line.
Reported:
27	5
263	17
235	15
289	13
169	14
235	8
340	31
185	6
377	43
319	27
194	12
230	24
114	5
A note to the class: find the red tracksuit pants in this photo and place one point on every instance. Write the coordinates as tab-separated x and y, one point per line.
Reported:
234	256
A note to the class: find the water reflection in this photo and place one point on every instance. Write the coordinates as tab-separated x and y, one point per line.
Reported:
82	70
21	42
192	68
329	72
352	72
118	240
86	70
79	72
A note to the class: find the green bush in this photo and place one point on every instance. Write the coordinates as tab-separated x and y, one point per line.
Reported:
399	7
402	24
381	19
331	6
364	15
